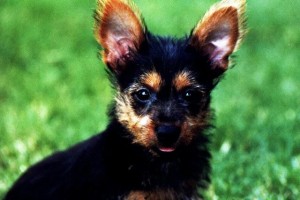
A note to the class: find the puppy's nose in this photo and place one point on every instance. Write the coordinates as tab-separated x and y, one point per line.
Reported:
167	135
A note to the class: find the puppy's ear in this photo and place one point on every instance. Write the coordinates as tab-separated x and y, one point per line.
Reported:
119	30
220	32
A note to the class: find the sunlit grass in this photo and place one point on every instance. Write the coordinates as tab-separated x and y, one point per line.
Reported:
53	90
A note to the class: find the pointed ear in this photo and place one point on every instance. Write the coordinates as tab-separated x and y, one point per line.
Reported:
220	32
119	30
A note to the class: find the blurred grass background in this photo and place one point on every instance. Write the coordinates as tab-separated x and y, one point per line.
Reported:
54	93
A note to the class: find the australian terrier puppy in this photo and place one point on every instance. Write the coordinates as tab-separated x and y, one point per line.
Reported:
156	144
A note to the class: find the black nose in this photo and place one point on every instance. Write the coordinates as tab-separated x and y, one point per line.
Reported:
167	135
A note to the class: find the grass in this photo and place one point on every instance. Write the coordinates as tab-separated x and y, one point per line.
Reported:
53	90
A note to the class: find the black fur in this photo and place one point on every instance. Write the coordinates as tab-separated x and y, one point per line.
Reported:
115	164
108	165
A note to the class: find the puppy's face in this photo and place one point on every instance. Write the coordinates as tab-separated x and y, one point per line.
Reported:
164	84
163	98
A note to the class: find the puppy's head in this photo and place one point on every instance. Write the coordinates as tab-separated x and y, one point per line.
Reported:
164	84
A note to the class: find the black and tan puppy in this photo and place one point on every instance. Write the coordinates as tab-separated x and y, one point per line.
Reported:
155	145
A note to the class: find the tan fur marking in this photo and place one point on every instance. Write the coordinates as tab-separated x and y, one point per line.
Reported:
136	195
141	127
194	125
232	11
226	17
183	79
117	20
221	29
157	195
153	80
122	12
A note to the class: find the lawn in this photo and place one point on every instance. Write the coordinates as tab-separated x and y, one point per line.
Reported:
54	92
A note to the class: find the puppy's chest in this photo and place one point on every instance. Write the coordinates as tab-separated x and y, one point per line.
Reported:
183	189
164	187
159	194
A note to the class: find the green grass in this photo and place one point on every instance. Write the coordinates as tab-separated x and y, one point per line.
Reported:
53	90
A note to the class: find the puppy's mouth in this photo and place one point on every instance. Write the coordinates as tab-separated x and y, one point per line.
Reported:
167	149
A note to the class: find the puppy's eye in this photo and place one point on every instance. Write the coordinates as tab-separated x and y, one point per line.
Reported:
188	95
143	95
191	95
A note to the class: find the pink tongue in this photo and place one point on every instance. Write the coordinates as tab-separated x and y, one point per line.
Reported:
167	149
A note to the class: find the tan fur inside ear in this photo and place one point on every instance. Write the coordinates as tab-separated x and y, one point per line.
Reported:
220	31
119	30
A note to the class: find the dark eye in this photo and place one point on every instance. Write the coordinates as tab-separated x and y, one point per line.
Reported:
188	95
191	95
143	95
